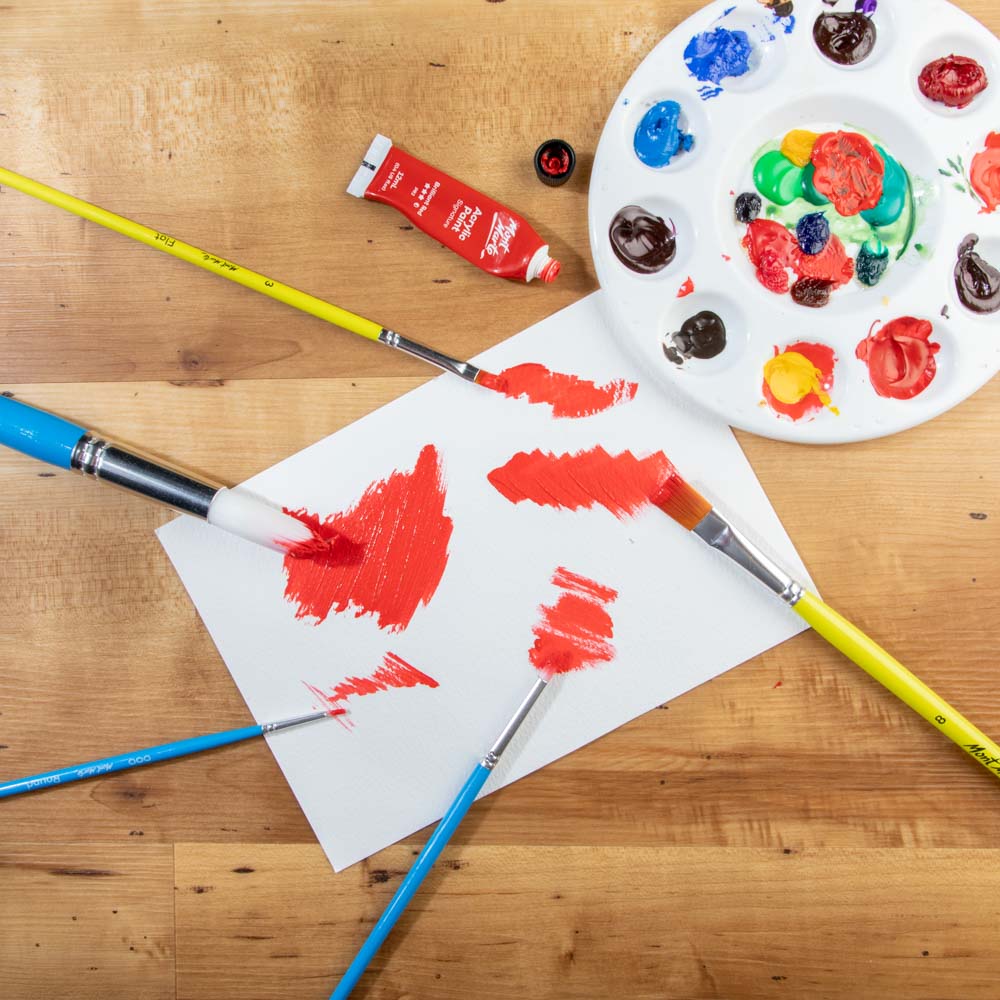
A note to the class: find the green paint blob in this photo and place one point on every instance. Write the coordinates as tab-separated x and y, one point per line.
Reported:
894	194
809	191
777	178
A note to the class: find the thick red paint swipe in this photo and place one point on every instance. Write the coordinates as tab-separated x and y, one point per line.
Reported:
621	484
686	289
900	357
573	633
568	395
394	672
400	528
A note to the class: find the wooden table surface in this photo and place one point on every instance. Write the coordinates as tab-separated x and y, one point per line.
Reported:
788	830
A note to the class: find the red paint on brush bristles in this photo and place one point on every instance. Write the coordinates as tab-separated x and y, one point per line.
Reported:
394	672
568	395
397	535
336	711
573	633
622	484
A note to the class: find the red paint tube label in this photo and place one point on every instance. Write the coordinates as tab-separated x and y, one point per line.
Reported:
472	224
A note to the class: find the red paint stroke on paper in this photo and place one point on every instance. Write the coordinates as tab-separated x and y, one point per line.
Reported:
900	357
394	672
984	174
573	633
686	289
778	685
621	484
400	528
568	395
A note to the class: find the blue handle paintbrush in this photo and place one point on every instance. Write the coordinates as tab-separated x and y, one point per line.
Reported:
67	445
441	835
153	755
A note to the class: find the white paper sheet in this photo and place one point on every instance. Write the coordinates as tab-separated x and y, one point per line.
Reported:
410	750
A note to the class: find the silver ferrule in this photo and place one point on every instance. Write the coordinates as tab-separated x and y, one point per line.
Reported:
496	751
720	534
461	368
104	460
299	720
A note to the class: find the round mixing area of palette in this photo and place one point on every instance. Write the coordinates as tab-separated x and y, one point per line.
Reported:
795	214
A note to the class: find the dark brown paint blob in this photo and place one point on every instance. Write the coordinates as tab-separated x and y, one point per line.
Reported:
701	336
643	242
845	39
812	292
976	281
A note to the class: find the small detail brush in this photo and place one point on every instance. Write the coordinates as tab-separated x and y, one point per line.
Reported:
153	755
441	835
692	511
51	439
302	301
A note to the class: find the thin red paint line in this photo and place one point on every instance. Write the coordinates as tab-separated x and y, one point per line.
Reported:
394	672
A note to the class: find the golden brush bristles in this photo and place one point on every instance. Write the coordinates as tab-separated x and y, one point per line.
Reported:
681	501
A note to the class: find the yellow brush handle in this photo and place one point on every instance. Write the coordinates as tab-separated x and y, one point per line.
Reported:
891	674
210	262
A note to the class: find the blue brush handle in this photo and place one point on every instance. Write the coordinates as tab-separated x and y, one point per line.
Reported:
37	433
410	884
138	758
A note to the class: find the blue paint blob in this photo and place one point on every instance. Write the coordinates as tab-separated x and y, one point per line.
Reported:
659	137
714	55
813	233
788	23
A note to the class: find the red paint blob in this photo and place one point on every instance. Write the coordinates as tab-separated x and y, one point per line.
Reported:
573	633
984	174
568	395
953	81
400	526
621	484
823	359
556	163
831	264
900	357
848	170
686	289
394	672
771	249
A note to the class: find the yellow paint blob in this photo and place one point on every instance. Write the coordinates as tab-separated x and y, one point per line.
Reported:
792	376
798	144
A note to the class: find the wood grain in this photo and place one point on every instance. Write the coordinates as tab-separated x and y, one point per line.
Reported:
785	830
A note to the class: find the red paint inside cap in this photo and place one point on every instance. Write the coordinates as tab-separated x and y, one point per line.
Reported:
550	272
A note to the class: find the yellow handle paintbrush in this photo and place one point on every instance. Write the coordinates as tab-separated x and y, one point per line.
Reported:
302	301
692	511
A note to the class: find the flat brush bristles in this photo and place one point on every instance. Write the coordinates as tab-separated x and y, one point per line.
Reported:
490	381
681	501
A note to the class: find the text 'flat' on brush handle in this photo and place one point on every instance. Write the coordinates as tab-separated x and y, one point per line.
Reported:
891	674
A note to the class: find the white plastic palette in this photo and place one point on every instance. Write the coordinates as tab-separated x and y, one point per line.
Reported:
791	85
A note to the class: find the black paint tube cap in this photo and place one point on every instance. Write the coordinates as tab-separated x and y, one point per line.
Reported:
554	162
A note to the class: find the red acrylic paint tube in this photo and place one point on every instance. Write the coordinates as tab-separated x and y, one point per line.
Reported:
472	224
